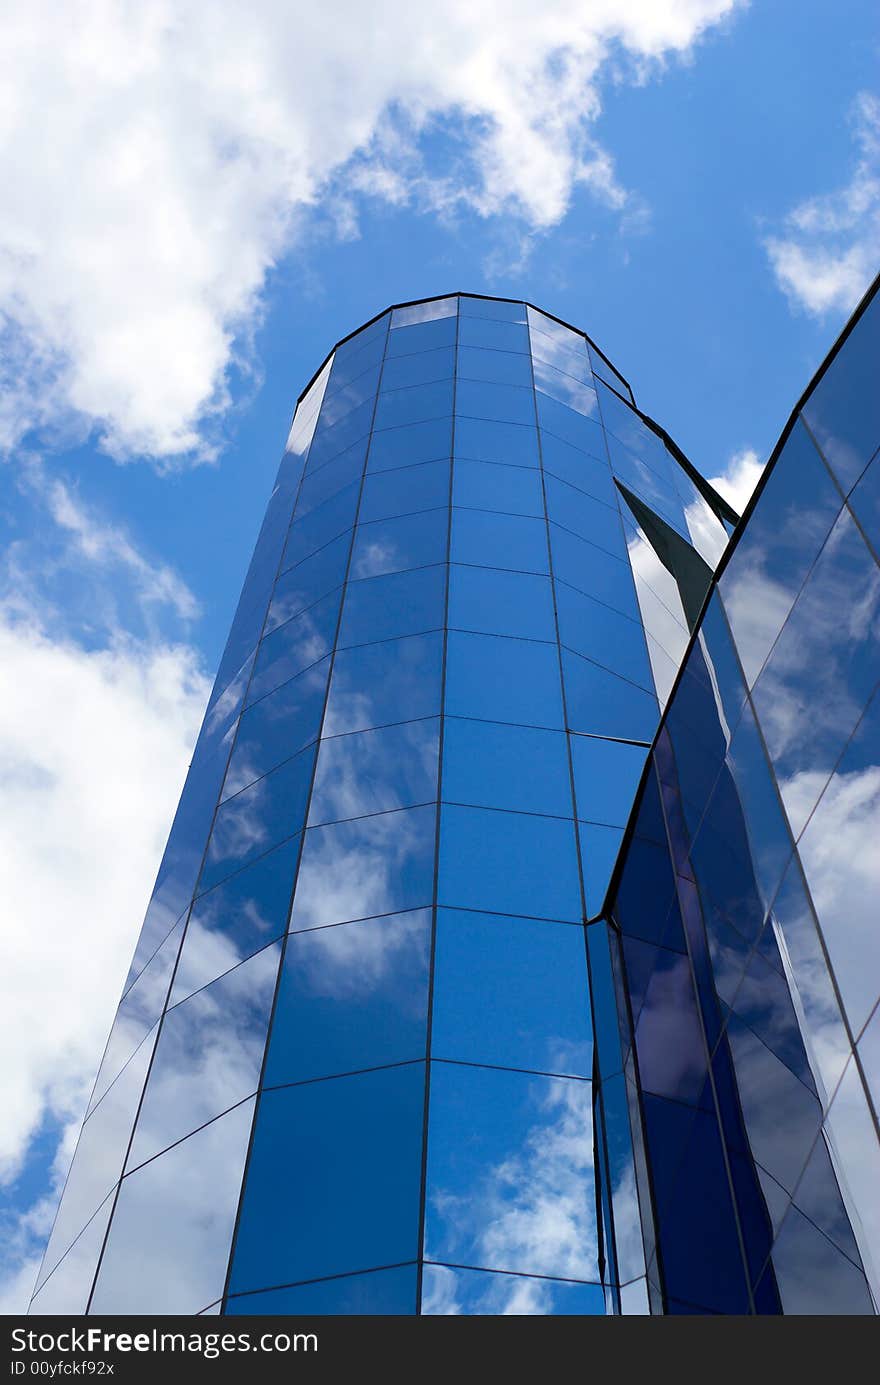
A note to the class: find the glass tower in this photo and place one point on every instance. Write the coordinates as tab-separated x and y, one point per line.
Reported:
396	1032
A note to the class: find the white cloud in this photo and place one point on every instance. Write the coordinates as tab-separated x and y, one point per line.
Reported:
94	746
828	250
739	478
158	157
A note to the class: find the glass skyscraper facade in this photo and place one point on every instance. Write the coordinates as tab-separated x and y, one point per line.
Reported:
426	1016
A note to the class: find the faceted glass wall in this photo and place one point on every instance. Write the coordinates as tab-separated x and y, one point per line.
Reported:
353	1070
744	918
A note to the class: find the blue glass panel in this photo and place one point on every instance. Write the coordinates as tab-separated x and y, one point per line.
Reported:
66	1291
267	812
507	403
321	525
606	776
404	490
208	1055
382	864
176	1264
518	1193
499	541
394	545
536	975
413	405
496	336
813	1276
500	309
606	370
865	503
377	684
276	727
782	1116
295	646
602	635
589	474
493	486
564	351
509	863
333	1182
790	522
496	367
419	368
330	480
603	705
498	679
400	603
373	771
558	384
485	441
421	336
501	603
236	919
303	585
418	442
386	1293
357	355
329	441
427	311
590	519
671	1067
572	427
593	571
449	1292
352	996
497	766
842	410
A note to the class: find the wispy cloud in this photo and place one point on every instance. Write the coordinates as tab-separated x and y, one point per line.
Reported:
828	249
158	159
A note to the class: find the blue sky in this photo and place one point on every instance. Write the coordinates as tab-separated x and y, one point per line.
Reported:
200	204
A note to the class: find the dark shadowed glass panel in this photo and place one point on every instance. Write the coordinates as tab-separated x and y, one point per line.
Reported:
383	1292
333	1180
351	996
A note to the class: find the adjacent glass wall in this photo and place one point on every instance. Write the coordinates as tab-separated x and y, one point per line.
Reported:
356	1067
745	913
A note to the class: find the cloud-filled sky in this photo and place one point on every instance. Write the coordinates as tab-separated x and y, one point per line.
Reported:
198	201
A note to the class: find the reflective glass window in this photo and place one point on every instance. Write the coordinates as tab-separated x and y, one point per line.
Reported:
331	440
788	526
376	684
851	1134
782	1116
572	427
177	1263
568	356
602	704
66	1291
594	630
606	370
496	766
301	586
599	847
404	491
418	442
329	481
236	919
351	996
429	311
492	486
290	648
383	864
373	771
394	545
494	336
507	403
306	416
558	384
399	603
606	776
536	974
413	405
420	368
509	863
518	1194
590	519
334	1178
865	504
501	603
593	571
499	309
355	357
842	410
497	679
453	1292
498	367
813	1276
422	332
500	541
267	812
276	727
208	1055
485	441
590	474
387	1293
767	829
